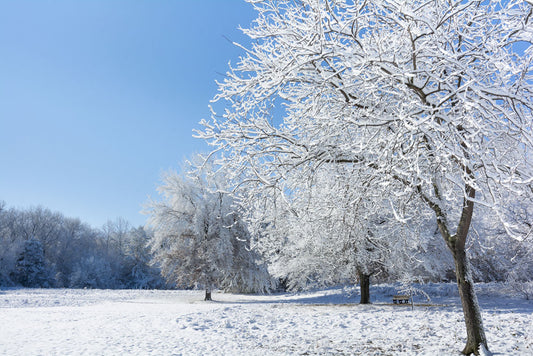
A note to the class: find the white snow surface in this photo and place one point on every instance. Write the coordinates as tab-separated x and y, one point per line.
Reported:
327	322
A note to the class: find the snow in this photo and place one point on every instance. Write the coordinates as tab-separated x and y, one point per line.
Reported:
122	322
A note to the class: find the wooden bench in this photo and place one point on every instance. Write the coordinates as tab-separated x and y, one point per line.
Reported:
401	299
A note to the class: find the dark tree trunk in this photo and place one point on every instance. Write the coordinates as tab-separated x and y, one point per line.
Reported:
456	243
474	324
207	294
364	282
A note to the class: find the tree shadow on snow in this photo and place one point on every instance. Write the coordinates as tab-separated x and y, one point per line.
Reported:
492	304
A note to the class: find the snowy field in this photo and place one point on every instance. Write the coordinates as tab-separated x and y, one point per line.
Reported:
330	322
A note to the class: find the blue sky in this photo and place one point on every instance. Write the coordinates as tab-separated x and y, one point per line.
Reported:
98	98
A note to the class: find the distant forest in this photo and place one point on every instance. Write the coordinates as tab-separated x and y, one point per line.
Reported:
41	248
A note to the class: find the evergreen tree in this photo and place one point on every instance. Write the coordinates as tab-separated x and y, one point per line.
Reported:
30	268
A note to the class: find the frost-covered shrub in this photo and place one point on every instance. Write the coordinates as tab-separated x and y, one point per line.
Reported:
525	288
92	272
520	282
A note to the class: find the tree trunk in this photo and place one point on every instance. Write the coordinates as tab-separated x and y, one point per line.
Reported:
207	294
456	243
474	324
364	282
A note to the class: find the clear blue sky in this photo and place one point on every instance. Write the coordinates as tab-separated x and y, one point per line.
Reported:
98	98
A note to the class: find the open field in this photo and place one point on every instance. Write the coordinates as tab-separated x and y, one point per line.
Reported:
330	322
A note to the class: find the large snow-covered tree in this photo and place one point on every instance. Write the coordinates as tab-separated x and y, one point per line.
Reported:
332	232
432	98
199	239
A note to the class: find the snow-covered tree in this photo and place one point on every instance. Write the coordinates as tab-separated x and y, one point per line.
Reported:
199	240
30	270
92	272
431	98
499	257
139	271
326	234
71	250
9	246
520	277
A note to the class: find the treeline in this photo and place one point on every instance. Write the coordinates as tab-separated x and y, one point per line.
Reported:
41	248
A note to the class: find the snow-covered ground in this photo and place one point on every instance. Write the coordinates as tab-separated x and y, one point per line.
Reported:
330	322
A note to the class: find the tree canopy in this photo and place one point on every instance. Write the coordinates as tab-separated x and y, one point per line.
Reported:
430	102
